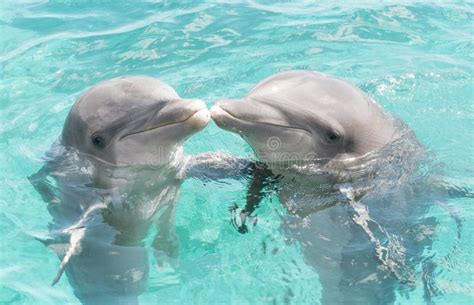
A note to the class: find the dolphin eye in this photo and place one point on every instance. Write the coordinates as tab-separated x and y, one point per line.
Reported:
332	137
98	141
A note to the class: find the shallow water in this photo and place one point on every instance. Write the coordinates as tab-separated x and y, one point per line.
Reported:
415	59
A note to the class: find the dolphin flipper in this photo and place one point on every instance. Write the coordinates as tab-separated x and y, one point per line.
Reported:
217	166
262	179
43	185
74	248
65	244
382	253
166	241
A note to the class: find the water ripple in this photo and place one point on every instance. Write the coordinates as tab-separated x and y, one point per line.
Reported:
416	59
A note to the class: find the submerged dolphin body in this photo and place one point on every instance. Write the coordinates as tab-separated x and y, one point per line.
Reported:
116	173
345	170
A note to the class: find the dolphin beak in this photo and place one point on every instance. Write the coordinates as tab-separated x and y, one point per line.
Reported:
219	115
190	112
228	114
180	111
235	115
198	114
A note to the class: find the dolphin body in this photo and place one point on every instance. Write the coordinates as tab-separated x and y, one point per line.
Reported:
345	171
115	174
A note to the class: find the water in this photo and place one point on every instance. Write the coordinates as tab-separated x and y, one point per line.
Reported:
415	59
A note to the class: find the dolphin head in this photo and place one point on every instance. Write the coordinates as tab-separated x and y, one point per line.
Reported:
305	115
132	120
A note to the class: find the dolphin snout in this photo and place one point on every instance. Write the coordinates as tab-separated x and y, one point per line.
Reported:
230	113
187	107
196	113
220	114
187	112
225	105
192	106
180	110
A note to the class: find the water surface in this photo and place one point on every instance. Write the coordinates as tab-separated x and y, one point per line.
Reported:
414	58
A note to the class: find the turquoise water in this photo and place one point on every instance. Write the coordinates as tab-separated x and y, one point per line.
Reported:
415	59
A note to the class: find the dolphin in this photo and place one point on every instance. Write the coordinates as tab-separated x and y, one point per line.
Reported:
113	175
343	168
309	115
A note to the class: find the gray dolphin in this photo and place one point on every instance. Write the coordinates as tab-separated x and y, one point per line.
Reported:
114	174
308	114
337	155
124	120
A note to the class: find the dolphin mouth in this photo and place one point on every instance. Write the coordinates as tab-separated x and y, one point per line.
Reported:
200	116
222	116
